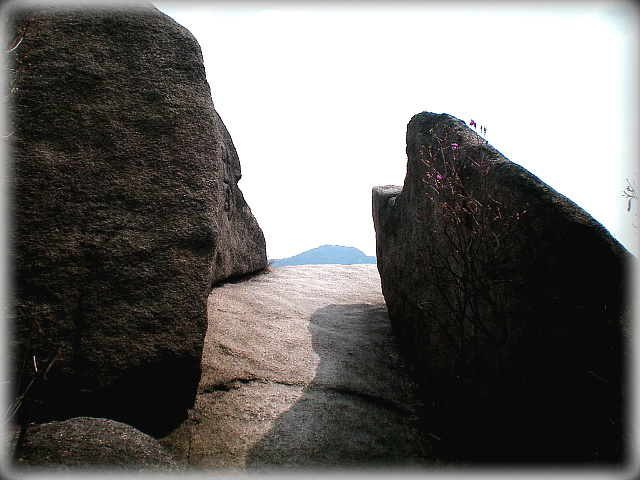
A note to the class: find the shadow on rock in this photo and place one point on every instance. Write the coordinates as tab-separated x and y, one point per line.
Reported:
359	411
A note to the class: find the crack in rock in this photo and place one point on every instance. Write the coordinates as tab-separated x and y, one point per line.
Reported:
240	382
367	397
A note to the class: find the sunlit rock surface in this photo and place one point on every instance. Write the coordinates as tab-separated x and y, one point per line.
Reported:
92	445
301	371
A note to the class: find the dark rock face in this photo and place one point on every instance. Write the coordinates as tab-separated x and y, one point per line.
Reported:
95	444
125	207
509	299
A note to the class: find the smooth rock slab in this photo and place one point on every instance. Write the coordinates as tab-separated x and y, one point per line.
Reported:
301	370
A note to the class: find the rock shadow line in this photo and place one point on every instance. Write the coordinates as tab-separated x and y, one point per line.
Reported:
360	411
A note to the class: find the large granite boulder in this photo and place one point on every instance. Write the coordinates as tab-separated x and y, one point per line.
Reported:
92	444
125	210
509	299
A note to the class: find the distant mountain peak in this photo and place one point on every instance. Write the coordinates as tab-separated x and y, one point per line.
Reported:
326	255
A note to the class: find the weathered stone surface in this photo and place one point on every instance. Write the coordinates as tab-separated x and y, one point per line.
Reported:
509	299
301	371
92	444
125	209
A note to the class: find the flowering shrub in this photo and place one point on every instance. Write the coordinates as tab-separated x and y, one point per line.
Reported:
467	236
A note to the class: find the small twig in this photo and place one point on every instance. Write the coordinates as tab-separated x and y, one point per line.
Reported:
17	45
28	402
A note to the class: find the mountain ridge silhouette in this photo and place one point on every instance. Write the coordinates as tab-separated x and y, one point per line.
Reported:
326	255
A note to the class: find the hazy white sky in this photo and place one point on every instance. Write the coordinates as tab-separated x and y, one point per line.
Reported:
317	97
